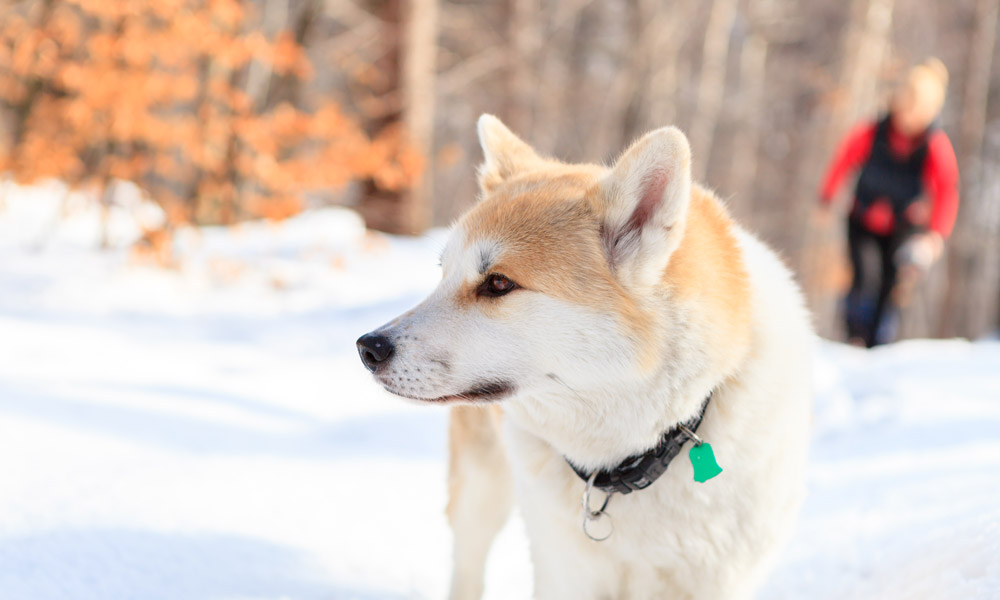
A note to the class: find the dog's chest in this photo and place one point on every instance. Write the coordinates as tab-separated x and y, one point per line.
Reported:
658	534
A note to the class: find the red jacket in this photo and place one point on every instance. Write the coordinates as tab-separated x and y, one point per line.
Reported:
940	179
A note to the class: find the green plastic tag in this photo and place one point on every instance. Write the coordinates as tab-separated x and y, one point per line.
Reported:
703	461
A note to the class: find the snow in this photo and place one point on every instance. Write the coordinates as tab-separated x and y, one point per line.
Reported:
207	431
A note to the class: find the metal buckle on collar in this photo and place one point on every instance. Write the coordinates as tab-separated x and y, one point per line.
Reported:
597	524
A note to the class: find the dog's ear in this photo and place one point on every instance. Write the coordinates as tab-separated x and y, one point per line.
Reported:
504	154
645	200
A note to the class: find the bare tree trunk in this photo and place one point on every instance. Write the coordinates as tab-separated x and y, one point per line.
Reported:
525	38
551	125
970	299
668	33
625	98
192	196
575	138
381	208
746	141
650	84
711	83
866	49
419	58
410	31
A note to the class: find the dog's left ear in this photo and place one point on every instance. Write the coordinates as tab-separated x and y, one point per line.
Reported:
504	154
645	200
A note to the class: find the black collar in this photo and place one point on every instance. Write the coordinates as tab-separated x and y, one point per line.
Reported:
639	471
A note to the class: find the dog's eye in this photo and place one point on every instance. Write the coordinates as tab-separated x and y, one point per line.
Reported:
496	285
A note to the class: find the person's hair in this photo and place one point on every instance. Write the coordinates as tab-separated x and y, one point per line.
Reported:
928	82
937	68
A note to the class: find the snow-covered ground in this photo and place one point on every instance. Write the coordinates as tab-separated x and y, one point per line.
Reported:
208	431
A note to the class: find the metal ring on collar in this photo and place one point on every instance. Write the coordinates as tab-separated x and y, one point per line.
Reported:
691	435
586	498
589	526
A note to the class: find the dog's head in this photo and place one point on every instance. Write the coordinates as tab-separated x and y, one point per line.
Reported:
555	278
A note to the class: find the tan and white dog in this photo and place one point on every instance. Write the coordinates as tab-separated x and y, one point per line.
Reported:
583	313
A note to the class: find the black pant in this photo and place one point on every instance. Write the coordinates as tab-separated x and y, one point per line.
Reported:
870	311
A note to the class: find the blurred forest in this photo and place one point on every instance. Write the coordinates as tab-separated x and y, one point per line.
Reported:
224	110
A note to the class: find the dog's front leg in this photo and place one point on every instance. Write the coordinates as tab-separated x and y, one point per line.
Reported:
479	494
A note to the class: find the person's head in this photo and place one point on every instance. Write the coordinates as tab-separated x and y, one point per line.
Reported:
918	100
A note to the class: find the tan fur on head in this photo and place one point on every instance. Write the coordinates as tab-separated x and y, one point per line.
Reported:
550	234
604	237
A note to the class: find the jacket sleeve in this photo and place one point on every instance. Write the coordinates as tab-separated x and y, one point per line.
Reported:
852	153
941	182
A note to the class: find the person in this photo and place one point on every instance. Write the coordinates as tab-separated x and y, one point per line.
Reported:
905	200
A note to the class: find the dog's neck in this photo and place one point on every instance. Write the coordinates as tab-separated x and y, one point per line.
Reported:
600	427
639	471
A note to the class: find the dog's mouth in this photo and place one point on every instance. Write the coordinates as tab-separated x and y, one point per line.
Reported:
491	391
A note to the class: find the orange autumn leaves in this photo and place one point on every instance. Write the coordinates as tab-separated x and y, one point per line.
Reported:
173	95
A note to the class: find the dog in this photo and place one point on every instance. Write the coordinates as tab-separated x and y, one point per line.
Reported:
594	328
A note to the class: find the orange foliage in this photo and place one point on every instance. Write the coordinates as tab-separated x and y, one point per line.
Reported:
155	247
156	92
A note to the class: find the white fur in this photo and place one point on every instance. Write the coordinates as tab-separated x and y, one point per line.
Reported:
582	394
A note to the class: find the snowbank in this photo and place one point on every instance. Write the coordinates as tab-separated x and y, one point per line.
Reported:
208	432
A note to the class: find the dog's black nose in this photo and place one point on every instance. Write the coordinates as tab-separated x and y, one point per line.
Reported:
375	350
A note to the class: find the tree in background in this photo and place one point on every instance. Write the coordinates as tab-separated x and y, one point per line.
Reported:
165	93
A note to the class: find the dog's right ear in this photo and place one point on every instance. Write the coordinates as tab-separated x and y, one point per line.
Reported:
504	154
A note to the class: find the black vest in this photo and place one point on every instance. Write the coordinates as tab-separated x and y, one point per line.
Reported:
899	179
